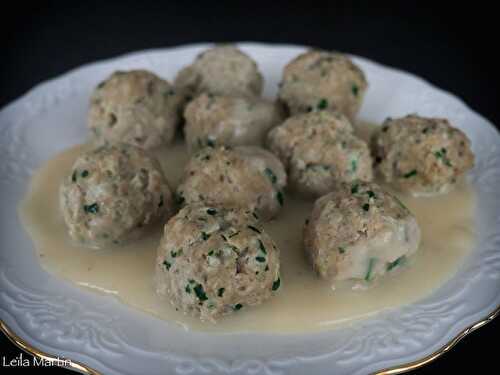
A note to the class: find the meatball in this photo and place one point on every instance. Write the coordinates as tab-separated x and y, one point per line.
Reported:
319	149
246	176
321	80
112	194
223	120
423	156
136	108
214	261
359	231
221	70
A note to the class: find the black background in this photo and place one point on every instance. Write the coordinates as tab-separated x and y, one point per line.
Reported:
453	46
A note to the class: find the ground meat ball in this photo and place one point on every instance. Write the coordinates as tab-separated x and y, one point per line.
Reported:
136	108
223	120
423	156
221	70
246	176
214	261
359	231
319	150
320	80
111	195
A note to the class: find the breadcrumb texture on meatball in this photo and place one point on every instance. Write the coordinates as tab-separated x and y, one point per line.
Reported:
423	156
112	194
135	107
221	70
319	150
323	80
359	231
244	176
224	120
215	261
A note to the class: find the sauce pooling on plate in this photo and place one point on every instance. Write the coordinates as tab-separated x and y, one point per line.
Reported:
304	302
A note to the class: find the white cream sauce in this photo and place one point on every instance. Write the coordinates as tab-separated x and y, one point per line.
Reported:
304	303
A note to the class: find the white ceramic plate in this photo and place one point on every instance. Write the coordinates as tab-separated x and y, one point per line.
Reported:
53	317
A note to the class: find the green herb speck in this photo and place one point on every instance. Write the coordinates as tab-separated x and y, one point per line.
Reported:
354	188
253	228
341	250
204	236
167	265
276	284
355	90
260	259
262	247
271	175
396	263
91	208
188	289
200	293
220	292
366	207
238	306
85	173
410	174
371	263
73	176
322	104
211	211
279	196
371	194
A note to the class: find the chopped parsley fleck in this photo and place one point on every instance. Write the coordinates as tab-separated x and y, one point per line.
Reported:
260	259
188	289
200	293
210	253
276	284
271	175
262	247
441	154
371	194
73	176
354	188
211	211
234	234
91	208
210	143
267	268
223	237
254	214
167	265
238	306
205	236
355	90
161	201
369	272
354	165
253	228
366	207
341	250
322	104
85	173
220	292
279	196
396	263
410	174
176	253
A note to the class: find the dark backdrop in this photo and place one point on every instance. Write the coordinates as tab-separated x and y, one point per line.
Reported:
452	46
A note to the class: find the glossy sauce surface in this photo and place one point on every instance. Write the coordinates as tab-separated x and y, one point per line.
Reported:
304	303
